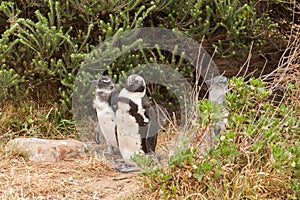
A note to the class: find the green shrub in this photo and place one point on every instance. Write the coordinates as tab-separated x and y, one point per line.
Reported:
39	49
49	43
10	83
230	25
47	46
46	41
256	156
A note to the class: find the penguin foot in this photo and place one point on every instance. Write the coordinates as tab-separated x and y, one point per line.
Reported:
118	160
109	151
126	168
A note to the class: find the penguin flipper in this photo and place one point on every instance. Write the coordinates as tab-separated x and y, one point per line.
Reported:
114	100
152	131
98	135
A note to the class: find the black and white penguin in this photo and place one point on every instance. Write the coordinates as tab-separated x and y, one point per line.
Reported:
105	103
137	125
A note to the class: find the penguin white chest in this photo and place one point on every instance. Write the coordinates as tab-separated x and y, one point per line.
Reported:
129	137
106	120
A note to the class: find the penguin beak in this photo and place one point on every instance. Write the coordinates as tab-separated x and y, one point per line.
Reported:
94	82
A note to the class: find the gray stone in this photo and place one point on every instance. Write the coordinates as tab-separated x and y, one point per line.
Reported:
45	150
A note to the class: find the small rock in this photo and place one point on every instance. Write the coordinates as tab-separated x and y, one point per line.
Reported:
44	150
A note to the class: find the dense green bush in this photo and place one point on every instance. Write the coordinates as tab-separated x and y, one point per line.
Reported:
257	155
47	45
45	41
9	85
229	25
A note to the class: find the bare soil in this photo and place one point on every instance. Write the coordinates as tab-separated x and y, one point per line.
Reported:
80	178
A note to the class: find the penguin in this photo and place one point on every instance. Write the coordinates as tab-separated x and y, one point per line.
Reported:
218	87
105	103
137	124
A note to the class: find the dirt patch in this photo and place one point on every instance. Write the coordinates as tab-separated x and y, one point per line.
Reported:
81	178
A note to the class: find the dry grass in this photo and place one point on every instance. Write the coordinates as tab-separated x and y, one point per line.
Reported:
30	118
288	72
81	178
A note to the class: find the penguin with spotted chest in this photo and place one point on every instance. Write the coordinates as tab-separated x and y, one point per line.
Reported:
136	121
105	103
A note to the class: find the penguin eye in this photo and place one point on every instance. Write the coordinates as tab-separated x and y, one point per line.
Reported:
140	82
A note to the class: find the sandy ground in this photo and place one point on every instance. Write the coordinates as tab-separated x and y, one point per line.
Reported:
88	176
80	178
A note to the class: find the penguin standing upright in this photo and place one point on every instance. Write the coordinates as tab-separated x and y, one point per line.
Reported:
136	124
105	104
218	87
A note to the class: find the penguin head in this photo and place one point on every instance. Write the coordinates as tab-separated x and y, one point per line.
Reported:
135	83
218	87
104	83
218	82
